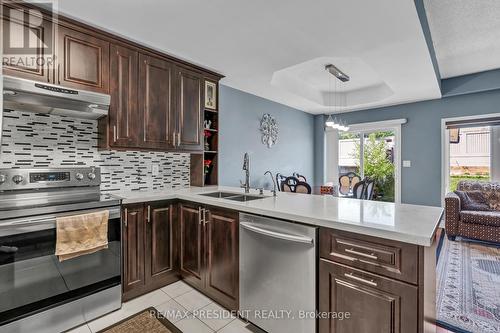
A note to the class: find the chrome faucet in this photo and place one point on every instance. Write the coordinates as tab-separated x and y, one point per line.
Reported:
272	179
246	168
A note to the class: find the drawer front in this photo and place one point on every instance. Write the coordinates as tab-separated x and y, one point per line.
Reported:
374	303
377	255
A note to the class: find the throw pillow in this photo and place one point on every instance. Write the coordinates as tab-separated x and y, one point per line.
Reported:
473	200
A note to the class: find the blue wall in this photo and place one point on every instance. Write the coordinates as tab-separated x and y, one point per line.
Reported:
240	115
421	138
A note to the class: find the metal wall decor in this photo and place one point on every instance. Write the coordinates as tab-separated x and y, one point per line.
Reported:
269	130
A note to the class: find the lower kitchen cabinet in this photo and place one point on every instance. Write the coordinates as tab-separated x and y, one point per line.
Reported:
209	258
149	247
376	304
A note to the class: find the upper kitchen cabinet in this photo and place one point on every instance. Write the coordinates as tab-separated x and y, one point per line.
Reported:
155	103
123	118
189	109
82	61
27	44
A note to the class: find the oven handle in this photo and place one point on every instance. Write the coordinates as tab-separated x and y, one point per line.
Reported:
51	219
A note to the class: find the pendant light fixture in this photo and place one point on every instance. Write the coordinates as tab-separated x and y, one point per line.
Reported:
332	122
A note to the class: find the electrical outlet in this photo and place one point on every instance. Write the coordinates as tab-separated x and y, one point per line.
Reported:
155	170
406	164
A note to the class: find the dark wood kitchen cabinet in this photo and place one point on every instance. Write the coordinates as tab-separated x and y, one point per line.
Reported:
209	257
385	285
222	248
123	115
376	304
29	34
189	110
155	103
191	244
82	61
149	247
134	236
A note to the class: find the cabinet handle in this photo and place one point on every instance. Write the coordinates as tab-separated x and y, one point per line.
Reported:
360	279
199	215
173	135
148	217
58	73
125	220
48	72
366	255
178	138
205	221
114	133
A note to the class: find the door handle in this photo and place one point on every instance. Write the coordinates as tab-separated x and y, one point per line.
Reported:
360	279
275	234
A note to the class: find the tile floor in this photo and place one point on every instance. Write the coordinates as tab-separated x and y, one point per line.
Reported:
191	309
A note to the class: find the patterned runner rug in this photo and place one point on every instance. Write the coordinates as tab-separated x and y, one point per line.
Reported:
468	287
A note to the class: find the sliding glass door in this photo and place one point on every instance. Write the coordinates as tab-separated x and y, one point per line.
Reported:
370	155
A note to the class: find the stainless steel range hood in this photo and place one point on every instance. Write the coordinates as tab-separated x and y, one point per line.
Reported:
31	96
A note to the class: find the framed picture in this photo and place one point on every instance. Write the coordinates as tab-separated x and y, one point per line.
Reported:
210	95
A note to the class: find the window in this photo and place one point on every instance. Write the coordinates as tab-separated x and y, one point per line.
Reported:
368	150
471	150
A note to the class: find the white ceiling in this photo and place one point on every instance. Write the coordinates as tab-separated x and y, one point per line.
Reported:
250	41
466	35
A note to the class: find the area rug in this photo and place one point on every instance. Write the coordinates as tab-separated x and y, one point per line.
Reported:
468	287
146	321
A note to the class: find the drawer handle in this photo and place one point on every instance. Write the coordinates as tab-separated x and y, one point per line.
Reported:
357	278
366	255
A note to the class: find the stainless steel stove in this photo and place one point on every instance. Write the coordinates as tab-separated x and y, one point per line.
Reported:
38	292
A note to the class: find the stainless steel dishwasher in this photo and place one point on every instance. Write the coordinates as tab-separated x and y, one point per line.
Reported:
277	274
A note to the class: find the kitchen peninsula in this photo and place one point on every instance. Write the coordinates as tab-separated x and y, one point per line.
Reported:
376	260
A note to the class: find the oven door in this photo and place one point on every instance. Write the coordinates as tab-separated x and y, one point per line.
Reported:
33	280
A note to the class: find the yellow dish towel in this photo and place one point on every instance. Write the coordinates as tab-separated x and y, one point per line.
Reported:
78	235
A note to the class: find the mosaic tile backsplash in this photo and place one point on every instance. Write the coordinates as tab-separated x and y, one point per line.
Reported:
38	140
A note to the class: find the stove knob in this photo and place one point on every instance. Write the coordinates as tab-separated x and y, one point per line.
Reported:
91	175
18	179
78	176
2	178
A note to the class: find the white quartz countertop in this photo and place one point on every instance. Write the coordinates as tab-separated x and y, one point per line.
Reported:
412	224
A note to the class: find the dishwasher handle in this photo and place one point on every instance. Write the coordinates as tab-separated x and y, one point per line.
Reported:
275	234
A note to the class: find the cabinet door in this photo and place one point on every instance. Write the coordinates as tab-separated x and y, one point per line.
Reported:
133	248
222	281
160	244
82	61
155	103
189	109
123	114
191	250
27	44
376	304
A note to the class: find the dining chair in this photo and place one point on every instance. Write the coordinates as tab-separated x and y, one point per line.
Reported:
358	191
279	179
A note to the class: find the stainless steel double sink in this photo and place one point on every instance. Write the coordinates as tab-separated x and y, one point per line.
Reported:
233	196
